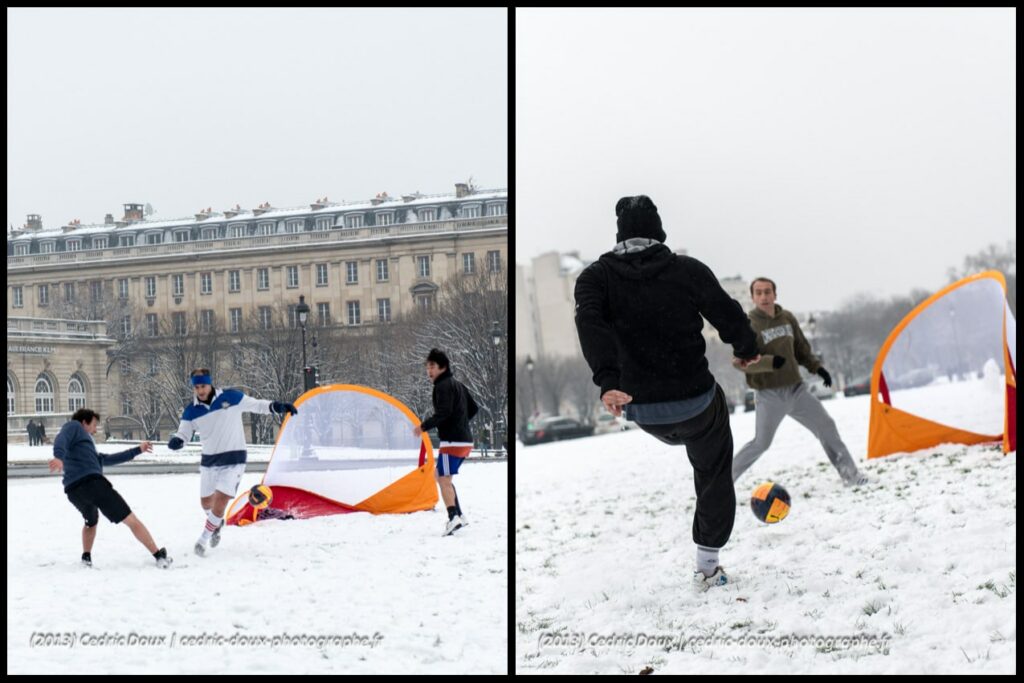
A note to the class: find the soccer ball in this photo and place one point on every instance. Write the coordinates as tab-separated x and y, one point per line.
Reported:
260	496
770	502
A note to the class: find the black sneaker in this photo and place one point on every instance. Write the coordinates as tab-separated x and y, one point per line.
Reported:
162	560
86	559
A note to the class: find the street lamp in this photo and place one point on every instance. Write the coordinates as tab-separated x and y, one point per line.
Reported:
302	310
533	388
496	338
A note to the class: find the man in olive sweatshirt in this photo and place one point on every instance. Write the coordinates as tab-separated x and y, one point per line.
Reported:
780	388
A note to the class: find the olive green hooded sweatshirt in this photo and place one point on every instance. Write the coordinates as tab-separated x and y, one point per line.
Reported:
778	335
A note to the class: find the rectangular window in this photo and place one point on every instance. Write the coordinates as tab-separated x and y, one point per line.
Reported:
150	287
384	310
126	406
382	270
181	236
354	221
126	325
209	233
351	272
180	328
234	280
236	319
265	317
69	292
151	325
470	211
179	284
21	250
206	283
99	243
426	215
468	263
294	226
324	314
127	240
122	288
46	248
353	312
206	320
74	245
425	302
293	316
323	223
236	230
154	238
265	229
496	210
126	366
423	266
385	218
321	275
494	261
293	277
96	291
44	295
18	301
263	279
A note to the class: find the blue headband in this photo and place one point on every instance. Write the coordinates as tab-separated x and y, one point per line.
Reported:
201	379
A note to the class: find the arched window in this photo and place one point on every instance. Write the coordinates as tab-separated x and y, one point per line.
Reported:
76	393
44	395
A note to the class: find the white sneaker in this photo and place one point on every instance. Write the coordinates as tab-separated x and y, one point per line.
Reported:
465	522
702	582
200	548
860	479
453	524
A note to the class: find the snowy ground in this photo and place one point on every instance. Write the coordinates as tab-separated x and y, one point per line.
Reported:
421	603
924	559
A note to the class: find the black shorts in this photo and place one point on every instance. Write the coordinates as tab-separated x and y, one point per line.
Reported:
97	493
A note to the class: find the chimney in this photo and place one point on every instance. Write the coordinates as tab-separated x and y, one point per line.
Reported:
231	213
132	213
318	204
380	198
35	222
203	215
261	209
461	190
108	219
408	197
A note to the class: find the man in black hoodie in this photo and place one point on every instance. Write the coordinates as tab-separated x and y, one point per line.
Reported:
454	407
638	316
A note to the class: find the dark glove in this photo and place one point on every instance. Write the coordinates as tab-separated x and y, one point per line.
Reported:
175	443
778	361
823	373
280	408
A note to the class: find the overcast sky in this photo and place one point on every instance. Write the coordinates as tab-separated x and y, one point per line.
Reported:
837	151
186	109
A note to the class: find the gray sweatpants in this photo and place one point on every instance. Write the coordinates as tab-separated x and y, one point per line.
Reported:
798	403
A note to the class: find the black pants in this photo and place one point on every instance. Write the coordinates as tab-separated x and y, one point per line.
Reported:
708	441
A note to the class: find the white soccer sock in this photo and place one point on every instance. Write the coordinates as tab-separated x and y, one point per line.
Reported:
212	524
707	560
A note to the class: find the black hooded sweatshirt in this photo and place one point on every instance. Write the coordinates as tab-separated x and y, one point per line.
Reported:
638	316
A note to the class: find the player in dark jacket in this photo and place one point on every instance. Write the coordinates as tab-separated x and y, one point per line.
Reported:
454	407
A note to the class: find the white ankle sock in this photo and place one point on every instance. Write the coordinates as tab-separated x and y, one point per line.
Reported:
707	560
212	524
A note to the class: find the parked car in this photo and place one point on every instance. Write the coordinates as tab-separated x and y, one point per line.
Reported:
606	423
555	428
856	387
912	379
